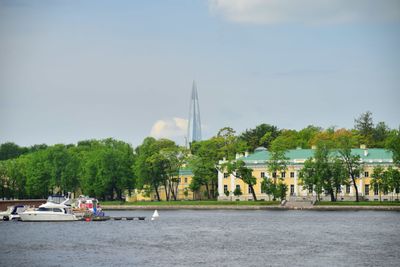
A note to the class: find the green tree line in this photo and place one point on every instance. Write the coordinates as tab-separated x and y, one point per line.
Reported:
109	168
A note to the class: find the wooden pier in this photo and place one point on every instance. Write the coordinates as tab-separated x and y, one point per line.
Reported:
115	218
140	218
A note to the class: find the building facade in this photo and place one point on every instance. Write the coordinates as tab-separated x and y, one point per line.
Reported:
258	162
182	190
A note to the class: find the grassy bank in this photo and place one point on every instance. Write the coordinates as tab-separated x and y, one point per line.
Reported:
361	203
192	203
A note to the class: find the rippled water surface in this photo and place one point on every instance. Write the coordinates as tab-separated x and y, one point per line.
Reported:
209	238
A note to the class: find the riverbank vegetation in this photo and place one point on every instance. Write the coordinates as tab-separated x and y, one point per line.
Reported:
109	168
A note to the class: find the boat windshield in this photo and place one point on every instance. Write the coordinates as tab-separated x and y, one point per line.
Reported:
56	199
49	209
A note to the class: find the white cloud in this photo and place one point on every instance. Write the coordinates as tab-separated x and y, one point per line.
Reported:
170	128
306	11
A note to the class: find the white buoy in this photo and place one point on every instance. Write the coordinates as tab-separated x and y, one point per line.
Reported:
155	215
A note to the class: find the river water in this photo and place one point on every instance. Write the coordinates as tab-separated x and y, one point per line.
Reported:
209	238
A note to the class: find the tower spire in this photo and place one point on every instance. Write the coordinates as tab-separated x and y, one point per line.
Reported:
194	124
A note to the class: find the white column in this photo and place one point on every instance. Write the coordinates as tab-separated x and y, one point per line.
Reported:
352	193
361	189
232	184
220	184
296	190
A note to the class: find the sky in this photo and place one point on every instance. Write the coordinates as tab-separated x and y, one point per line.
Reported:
77	70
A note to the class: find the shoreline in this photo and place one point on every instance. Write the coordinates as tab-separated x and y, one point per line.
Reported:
253	207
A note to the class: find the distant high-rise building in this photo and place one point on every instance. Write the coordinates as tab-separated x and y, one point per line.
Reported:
194	124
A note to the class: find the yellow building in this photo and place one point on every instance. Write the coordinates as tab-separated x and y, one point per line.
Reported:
258	162
181	191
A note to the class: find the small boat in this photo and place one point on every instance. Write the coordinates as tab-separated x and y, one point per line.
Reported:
88	207
155	215
12	212
85	203
55	209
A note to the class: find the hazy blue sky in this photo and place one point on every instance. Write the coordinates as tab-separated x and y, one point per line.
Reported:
73	70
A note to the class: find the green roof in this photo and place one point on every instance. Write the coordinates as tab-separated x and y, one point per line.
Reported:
371	155
185	171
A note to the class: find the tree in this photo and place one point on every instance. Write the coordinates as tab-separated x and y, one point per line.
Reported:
393	144
306	135
175	157
324	172
239	170
393	178
107	170
237	192
38	175
205	174
281	190
262	135
324	137
365	125
10	150
380	134
149	166
277	163
207	154
228	143
186	193
4	179
352	162
15	177
339	175
288	139
63	173
204	163
35	148
268	187
377	181
195	185
310	179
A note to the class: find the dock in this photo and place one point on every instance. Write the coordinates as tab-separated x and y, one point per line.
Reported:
115	218
139	218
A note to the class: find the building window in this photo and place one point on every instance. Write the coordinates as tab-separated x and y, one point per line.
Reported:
291	174
226	175
339	189
397	190
249	190
225	188
262	174
367	189
283	174
366	174
292	189
310	190
347	189
376	191
274	175
185	180
238	187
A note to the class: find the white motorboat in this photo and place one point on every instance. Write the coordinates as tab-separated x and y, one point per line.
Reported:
55	209
12	212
